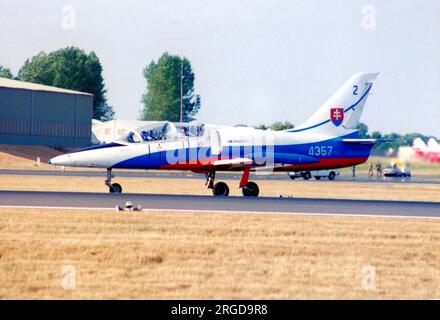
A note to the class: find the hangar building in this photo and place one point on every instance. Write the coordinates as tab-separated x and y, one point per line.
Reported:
34	114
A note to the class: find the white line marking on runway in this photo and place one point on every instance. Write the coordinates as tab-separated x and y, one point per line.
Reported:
229	211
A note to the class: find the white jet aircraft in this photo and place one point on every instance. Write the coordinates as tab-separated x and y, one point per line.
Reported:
328	139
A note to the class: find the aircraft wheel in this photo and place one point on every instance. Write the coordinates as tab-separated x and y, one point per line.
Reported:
317	177
220	189
115	188
250	190
332	176
307	175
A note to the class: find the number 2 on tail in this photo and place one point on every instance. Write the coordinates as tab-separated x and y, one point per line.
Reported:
355	90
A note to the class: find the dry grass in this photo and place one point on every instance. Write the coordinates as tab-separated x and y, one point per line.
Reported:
307	189
25	157
171	255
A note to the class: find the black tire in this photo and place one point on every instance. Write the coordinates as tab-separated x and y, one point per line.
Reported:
250	190
292	177
307	175
318	178
332	175
220	189
115	188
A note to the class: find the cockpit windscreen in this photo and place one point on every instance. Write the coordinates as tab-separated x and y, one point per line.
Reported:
165	131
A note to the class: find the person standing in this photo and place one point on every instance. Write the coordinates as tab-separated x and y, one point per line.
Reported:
370	171
379	170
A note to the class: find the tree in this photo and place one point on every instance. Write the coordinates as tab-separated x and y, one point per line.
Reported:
5	73
162	99
262	127
70	68
277	126
376	135
408	138
363	130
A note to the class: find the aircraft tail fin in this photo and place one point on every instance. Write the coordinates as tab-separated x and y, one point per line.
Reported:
433	145
419	145
343	110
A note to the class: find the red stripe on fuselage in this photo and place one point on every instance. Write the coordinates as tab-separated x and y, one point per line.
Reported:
328	163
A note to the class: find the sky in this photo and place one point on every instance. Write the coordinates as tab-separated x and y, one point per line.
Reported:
255	61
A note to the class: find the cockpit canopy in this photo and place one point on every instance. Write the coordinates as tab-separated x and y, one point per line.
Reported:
164	131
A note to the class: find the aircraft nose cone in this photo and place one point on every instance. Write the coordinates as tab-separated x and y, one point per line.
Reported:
54	160
62	160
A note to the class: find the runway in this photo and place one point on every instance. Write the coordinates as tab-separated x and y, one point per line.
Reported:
360	178
221	204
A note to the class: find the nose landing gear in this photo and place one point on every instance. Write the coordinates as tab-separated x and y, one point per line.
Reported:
112	188
115	188
219	188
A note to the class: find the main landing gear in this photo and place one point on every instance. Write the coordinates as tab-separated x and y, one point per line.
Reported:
248	188
112	187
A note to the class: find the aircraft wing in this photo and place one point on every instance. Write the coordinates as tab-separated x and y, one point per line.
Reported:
268	158
365	141
230	164
233	162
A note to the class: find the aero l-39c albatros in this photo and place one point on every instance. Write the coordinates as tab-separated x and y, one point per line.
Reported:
328	139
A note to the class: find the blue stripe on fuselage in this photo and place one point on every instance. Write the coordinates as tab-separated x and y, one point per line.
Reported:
100	146
339	149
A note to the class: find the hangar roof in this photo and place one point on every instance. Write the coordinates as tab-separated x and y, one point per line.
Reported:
15	84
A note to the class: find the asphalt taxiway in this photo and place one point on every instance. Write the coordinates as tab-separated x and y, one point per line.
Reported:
221	204
361	178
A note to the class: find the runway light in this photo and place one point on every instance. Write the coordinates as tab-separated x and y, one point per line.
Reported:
129	205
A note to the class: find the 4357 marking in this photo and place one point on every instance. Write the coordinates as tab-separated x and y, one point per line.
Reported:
320	151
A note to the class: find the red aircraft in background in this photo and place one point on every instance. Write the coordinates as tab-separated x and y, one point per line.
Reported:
430	152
